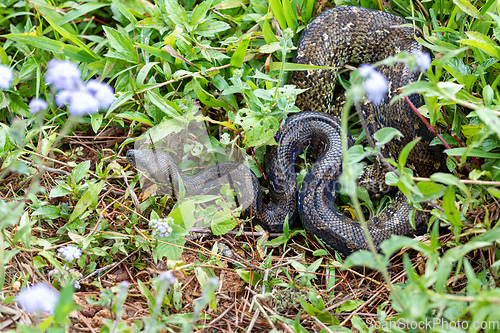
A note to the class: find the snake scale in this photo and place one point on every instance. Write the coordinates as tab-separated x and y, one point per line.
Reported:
345	34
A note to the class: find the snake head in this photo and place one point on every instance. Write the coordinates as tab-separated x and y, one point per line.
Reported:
131	157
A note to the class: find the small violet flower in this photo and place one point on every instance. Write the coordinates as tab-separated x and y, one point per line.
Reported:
63	97
36	105
82	103
70	252
423	60
124	285
102	92
81	98
38	298
5	76
376	87
167	277
214	281
161	227
365	70
63	75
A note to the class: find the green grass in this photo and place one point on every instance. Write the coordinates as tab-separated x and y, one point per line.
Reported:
223	65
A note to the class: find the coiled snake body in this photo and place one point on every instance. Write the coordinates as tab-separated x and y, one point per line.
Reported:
345	34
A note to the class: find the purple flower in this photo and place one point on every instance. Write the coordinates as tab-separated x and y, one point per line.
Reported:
36	105
5	76
375	87
365	70
82	103
70	252
167	277
38	298
161	227
124	285
63	97
102	92
423	60
63	75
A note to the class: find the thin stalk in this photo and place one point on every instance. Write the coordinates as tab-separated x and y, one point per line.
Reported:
357	205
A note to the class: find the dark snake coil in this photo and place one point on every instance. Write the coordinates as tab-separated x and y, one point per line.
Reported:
342	35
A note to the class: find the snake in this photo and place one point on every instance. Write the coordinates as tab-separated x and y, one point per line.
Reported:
339	36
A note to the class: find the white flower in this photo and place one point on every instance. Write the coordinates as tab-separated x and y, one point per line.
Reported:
82	103
167	277
102	92
70	252
63	75
365	70
38	298
423	60
161	227
5	76
375	87
36	105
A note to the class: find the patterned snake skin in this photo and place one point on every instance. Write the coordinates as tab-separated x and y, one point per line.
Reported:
345	34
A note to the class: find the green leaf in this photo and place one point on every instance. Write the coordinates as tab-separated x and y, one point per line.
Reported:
308	308
143	73
403	156
395	243
290	66
277	9
209	28
147	294
385	135
89	198
125	12
430	190
48	212
65	305
494	192
239	55
157	53
137	116
79	172
349	305
23	233
176	13
205	97
96	121
289	14
364	258
320	252
269	35
449	179
122	44
80	11
122	99
251	277
222	222
200	12
488	95
489	117
59	191
469	9
482	42
450	210
39	42
72	37
163	104
471	152
184	215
